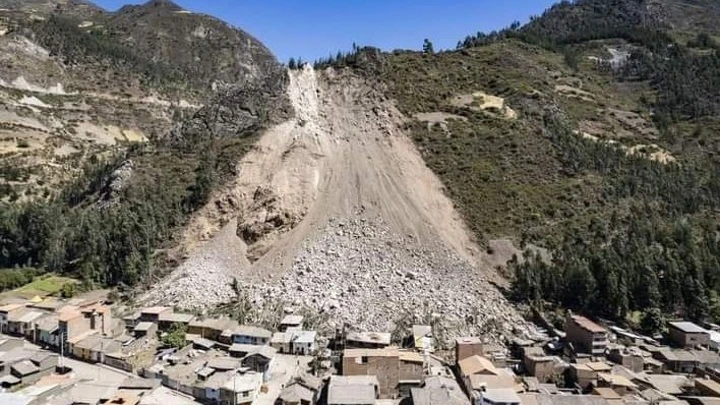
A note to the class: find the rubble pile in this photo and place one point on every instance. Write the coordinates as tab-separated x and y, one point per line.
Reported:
359	273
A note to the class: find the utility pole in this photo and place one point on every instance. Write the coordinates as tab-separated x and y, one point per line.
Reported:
62	350
234	380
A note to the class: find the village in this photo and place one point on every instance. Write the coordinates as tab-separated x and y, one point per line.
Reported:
81	351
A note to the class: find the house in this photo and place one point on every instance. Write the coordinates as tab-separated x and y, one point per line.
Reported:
478	373
688	335
47	331
71	324
671	384
291	322
353	390
707	387
586	374
467	347
241	389
23	366
439	390
167	319
422	338
202	344
5	312
153	314
297	394
240	351
27	324
538	364
714	340
211	328
145	329
99	317
15	325
586	335
367	340
496	396
260	360
618	383
302	342
212	383
679	361
281	342
547	399
299	342
396	370
629	358
609	395
251	335
131	320
92	347
707	358
303	389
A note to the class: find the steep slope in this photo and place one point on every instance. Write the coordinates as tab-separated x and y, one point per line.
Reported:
77	82
610	159
338	205
92	140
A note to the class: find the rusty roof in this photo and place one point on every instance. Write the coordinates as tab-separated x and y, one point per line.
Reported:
587	324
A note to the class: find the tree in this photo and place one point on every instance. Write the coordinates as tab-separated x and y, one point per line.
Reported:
428	47
67	290
292	64
652	321
175	336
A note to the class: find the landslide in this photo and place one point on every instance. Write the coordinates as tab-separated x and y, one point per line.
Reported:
339	191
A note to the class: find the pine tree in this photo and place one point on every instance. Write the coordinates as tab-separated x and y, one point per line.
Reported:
428	47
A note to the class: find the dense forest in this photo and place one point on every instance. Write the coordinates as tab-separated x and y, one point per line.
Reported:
109	238
659	254
655	249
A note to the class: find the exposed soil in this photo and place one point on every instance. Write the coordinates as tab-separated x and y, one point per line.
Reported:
342	158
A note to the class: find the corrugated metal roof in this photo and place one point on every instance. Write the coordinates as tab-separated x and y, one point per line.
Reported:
687	327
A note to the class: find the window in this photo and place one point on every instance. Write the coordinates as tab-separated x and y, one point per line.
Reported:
364	360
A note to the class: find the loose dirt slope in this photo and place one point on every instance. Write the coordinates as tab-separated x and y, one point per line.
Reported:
301	193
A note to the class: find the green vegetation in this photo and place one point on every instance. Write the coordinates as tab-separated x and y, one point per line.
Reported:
628	234
14	278
116	245
41	285
75	46
175	336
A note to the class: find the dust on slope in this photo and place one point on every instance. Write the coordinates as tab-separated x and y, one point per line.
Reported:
342	158
343	155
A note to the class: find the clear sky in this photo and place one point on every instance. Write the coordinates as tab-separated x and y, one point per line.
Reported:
315	28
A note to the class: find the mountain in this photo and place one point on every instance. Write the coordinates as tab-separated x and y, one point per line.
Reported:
78	81
572	162
591	131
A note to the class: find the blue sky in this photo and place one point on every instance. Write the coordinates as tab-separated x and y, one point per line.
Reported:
314	28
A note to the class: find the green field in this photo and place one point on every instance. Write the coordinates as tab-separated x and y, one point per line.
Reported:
42	286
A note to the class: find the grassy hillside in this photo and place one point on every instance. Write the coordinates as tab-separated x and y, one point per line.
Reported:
610	159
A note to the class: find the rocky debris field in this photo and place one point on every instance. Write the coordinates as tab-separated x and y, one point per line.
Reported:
358	272
205	279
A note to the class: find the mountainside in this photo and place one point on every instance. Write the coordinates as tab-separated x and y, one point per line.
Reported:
93	141
78	82
591	131
379	188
